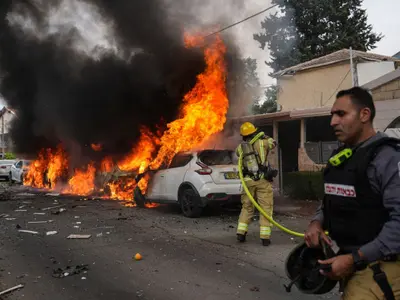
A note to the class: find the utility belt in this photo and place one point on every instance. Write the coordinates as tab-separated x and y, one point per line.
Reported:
378	275
266	172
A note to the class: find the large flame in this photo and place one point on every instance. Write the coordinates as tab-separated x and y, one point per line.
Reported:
202	114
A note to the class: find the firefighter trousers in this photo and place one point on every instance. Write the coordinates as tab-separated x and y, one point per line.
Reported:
362	286
261	191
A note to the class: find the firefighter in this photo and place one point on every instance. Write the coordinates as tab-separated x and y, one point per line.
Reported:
361	205
258	176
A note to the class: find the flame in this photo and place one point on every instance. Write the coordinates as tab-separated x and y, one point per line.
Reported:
48	164
202	114
96	147
82	183
204	107
107	164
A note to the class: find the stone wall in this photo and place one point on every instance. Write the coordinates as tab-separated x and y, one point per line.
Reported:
306	163
388	91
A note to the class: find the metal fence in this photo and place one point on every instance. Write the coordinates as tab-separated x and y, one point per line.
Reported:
319	152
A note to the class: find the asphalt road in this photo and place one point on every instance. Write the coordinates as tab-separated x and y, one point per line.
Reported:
182	258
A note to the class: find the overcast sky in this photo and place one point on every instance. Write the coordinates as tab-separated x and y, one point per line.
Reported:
382	14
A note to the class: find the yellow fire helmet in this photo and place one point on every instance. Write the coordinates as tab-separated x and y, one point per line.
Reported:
247	128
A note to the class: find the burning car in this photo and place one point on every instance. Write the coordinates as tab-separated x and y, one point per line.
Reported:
193	180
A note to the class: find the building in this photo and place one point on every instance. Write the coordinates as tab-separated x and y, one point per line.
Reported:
306	93
7	115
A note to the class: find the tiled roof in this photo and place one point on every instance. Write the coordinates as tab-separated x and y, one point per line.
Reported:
335	57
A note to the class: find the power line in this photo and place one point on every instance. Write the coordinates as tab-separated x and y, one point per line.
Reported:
241	21
334	93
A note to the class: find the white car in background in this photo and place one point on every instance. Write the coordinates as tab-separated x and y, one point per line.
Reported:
5	167
193	180
18	170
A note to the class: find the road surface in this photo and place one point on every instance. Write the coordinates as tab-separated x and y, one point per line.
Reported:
182	258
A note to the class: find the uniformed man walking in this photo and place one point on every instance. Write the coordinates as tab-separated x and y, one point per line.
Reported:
258	177
361	206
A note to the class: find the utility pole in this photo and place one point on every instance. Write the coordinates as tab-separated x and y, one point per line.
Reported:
2	134
353	69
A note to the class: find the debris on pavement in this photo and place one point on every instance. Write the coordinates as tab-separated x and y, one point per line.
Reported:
40	222
79	236
10	219
39	214
255	289
11	289
68	271
52	207
58	211
28	231
53	194
20	210
51	232
4	216
138	256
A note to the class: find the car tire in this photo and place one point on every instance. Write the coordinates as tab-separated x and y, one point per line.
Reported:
140	200
189	200
10	179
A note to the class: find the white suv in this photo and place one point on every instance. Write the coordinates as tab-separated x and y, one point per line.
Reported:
195	179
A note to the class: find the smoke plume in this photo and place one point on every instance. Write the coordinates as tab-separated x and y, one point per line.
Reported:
95	71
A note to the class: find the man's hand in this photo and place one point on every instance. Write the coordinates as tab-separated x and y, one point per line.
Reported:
311	237
342	266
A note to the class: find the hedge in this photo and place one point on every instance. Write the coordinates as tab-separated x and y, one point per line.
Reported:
304	185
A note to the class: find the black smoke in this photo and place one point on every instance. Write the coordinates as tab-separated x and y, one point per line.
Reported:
63	95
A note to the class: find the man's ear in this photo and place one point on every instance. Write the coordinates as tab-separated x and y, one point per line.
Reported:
365	115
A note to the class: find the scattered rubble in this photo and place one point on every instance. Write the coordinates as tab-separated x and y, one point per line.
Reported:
52	207
51	232
28	231
79	236
11	289
68	271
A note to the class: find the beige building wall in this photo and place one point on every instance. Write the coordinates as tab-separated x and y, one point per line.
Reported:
313	88
387	104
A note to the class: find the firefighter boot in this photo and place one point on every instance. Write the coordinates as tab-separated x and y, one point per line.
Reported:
266	242
241	237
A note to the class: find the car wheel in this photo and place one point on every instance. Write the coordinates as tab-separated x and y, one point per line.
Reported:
140	200
189	200
10	180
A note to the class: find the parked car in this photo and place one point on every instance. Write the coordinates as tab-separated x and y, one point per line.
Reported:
18	170
195	179
5	167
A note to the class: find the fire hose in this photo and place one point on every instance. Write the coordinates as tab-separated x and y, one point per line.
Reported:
269	218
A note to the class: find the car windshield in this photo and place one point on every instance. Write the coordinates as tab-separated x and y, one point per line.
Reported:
217	157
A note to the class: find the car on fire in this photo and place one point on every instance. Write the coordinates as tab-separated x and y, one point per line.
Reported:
194	180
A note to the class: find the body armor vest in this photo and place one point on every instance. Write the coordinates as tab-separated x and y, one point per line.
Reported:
353	212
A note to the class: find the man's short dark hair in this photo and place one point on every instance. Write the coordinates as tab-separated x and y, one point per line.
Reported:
361	98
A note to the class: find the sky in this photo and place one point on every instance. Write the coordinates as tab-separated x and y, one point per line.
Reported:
382	15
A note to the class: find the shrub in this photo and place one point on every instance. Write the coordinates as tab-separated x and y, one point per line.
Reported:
9	155
304	185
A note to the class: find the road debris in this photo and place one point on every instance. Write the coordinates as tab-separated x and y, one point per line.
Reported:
51	232
40	222
58	211
20	210
11	289
10	219
138	256
255	289
39	214
4	216
53	194
52	207
79	236
28	231
68	271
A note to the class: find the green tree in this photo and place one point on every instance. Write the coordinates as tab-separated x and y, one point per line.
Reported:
269	104
250	79
306	29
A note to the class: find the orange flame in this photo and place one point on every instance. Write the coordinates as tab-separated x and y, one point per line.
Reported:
107	164
82	183
204	107
96	147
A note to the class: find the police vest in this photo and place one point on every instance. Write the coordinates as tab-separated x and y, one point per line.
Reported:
353	212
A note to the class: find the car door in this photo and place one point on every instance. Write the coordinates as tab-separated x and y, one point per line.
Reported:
156	187
17	171
175	174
